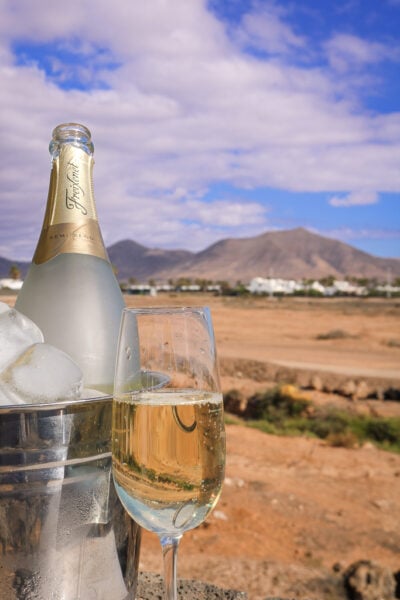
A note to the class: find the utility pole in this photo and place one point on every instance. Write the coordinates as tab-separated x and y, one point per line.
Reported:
388	282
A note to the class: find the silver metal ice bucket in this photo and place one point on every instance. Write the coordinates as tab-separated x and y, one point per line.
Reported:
63	533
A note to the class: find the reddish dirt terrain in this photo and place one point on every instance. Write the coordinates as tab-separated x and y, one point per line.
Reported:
293	508
295	512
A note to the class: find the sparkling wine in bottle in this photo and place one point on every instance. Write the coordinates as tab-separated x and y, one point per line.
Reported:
70	290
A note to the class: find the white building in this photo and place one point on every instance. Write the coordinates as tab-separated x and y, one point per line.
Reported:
388	289
346	288
11	284
259	285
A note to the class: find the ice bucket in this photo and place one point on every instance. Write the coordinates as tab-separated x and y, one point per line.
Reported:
63	533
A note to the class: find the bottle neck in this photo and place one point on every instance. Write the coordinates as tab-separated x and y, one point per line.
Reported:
70	223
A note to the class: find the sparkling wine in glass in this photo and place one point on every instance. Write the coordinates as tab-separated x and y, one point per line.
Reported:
168	438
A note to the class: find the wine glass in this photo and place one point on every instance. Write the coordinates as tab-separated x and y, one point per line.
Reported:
168	437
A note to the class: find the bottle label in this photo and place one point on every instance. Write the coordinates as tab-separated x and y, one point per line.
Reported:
70	223
76	238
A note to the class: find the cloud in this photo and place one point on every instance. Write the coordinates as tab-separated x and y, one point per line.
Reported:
346	52
263	29
224	213
184	106
349	234
71	64
184	219
358	198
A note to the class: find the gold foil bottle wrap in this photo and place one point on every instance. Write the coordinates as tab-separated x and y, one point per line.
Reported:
77	238
70	222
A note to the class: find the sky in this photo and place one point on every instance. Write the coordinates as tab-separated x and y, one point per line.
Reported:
211	119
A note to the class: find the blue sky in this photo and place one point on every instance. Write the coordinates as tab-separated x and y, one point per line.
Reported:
210	119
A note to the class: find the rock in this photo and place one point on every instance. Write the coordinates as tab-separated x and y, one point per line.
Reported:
316	383
381	504
302	379
234	481
366	580
397	579
220	515
368	446
330	384
348	388
380	393
362	390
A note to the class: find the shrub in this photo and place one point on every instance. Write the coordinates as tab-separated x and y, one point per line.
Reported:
344	439
329	422
383	430
351	436
334	334
276	405
393	343
283	410
234	402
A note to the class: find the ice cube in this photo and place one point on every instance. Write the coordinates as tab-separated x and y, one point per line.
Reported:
41	374
7	398
17	333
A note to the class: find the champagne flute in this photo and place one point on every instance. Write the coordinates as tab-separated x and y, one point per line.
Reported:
168	438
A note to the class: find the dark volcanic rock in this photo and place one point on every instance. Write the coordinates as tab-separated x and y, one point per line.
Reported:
366	580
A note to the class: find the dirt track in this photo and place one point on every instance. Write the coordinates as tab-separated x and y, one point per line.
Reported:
288	330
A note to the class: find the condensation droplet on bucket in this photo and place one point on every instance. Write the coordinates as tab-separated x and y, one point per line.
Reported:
128	352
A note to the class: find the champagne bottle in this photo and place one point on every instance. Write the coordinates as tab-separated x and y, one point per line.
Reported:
70	290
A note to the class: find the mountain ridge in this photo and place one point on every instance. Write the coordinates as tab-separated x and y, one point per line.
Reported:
291	254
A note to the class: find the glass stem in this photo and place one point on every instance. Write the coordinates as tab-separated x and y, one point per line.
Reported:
169	544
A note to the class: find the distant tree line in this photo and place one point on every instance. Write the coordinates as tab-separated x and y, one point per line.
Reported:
372	286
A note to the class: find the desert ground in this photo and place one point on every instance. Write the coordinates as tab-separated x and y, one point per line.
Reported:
295	512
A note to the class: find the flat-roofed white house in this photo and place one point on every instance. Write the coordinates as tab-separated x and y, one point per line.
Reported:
11	284
260	285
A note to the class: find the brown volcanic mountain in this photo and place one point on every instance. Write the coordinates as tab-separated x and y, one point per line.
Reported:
296	254
134	260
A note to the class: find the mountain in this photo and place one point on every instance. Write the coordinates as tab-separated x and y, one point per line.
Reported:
134	260
295	253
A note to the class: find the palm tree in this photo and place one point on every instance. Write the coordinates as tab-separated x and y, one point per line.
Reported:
14	272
